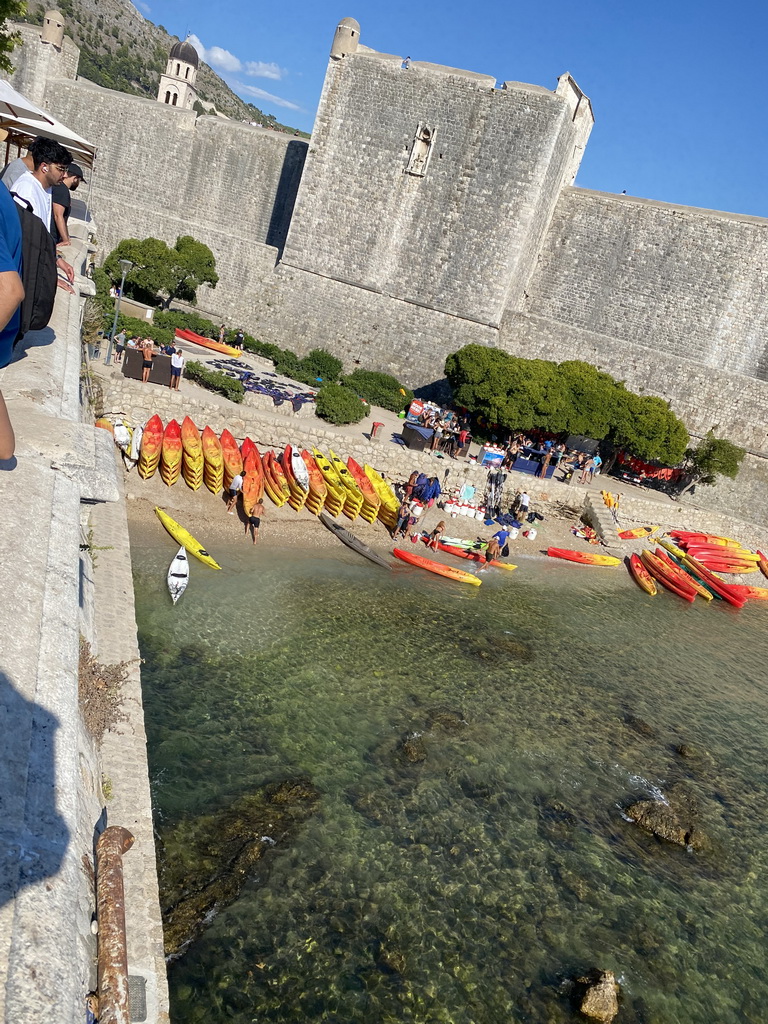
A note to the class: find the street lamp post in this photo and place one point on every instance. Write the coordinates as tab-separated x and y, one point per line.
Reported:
125	266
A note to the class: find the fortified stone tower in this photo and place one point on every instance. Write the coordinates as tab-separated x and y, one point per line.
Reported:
46	54
430	184
177	85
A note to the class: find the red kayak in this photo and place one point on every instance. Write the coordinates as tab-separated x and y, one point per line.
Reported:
658	570
716	584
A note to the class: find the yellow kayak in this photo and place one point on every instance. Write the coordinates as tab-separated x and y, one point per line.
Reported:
185	538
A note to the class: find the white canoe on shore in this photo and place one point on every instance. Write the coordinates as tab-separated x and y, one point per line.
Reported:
178	575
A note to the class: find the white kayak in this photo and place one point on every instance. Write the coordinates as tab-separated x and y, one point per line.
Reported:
178	575
135	452
123	437
299	470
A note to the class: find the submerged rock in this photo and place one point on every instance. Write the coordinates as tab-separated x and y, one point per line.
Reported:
412	748
207	860
640	726
674	821
598	993
446	719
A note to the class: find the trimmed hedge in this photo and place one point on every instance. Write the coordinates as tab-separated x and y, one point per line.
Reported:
214	380
338	404
379	389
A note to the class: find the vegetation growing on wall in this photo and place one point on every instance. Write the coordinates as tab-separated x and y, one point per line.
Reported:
710	458
571	397
379	389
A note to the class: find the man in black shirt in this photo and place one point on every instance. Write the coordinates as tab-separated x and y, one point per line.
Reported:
62	202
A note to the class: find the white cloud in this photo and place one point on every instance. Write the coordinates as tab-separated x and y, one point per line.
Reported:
254	92
217	56
144	8
260	69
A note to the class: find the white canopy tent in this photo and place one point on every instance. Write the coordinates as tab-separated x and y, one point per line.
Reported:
13	104
21	131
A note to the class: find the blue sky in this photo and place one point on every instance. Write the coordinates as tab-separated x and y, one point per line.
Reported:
675	86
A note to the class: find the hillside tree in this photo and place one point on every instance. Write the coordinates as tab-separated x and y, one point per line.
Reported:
161	271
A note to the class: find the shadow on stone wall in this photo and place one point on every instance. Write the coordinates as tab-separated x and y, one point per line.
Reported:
33	835
437	391
285	197
33	339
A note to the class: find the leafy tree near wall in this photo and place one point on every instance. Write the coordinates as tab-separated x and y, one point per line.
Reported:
710	458
570	397
10	10
163	272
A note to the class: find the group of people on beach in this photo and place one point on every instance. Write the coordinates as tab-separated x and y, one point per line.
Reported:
419	493
451	432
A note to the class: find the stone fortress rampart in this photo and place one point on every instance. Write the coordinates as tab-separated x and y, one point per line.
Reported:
431	209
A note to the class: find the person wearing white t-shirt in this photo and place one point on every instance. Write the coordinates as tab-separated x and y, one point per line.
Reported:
35	187
177	365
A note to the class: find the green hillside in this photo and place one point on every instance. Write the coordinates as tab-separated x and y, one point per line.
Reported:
120	49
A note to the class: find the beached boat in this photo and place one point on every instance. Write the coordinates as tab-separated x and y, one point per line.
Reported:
763	564
232	457
641	575
716	584
185	538
199	339
170	458
638	533
473	556
253	480
353	542
178	575
682	574
749	593
437	567
661	574
584	557
151	447
213	461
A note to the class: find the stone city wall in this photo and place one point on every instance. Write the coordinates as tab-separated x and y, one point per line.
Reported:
682	281
458	237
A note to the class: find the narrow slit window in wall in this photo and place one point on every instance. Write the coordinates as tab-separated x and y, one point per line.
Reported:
424	140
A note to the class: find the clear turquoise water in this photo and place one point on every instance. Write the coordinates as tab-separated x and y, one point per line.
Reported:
466	888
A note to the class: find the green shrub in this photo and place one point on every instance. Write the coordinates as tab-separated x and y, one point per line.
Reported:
379	389
261	348
338	404
186	322
214	380
319	363
133	327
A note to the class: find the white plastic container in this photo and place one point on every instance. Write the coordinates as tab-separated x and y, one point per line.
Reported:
530	534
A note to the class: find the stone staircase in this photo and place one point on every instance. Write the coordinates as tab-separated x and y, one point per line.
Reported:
597	513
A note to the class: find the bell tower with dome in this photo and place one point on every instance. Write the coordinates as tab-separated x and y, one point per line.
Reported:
177	85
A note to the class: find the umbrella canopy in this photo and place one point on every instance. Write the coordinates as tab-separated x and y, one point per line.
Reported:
22	130
13	104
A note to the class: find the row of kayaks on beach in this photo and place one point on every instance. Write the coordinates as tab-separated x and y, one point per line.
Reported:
301	479
687	564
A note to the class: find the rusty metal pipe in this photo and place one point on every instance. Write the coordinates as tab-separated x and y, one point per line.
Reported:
112	963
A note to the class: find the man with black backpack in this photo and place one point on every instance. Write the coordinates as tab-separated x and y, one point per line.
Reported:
40	260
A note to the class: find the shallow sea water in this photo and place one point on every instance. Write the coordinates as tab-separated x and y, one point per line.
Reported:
467	888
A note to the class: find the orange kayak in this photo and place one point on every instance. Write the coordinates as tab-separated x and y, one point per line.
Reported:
662	575
316	479
359	475
690	536
170	459
585	557
151	447
199	339
253	483
233	459
437	567
641	575
763	563
719	587
190	438
274	479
